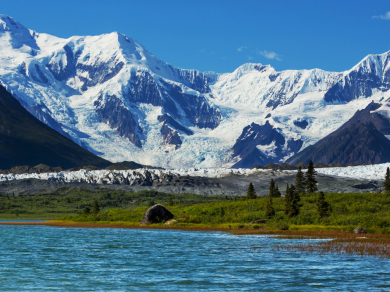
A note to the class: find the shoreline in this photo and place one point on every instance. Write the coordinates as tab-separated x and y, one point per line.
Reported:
237	231
340	242
97	225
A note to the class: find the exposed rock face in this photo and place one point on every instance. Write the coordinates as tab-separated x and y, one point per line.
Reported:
156	214
360	140
60	70
267	138
119	118
171	122
359	230
302	124
98	71
372	73
170	136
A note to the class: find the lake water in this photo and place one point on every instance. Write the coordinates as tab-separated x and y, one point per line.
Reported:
35	258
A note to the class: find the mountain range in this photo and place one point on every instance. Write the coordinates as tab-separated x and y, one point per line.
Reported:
114	98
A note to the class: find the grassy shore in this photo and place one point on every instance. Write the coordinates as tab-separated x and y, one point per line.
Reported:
228	214
371	211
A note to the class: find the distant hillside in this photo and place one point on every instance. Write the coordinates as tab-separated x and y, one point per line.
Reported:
24	140
360	140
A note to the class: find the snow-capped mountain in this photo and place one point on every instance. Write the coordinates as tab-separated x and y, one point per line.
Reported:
113	97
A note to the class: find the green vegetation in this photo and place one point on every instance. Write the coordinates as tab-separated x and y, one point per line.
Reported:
311	182
74	201
251	194
300	181
274	190
295	211
269	209
387	181
347	211
322	205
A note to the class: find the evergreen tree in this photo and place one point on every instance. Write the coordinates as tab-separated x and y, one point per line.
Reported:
272	188
386	185
300	181
96	208
295	202
311	182
222	212
170	203
86	211
277	192
269	211
322	205
287	201
251	194
151	203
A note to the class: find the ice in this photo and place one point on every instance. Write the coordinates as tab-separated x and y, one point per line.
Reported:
242	97
371	172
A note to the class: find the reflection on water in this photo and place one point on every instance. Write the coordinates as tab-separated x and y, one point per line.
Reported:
85	259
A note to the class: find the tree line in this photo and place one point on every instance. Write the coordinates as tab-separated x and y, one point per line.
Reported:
304	183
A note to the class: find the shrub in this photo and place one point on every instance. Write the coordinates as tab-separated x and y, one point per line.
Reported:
283	226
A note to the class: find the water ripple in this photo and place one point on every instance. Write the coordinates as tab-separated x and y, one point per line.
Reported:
33	258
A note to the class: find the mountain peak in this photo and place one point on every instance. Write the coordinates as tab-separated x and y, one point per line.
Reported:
15	33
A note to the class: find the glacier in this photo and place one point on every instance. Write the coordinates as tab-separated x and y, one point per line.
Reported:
113	97
133	177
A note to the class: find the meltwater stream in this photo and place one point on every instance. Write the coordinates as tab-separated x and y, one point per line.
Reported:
36	258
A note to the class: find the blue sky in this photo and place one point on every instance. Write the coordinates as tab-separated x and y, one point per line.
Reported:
222	35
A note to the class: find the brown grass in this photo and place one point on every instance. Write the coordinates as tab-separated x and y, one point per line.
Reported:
377	245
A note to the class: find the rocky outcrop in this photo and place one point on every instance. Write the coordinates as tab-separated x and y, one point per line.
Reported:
170	222
156	214
171	122
170	136
98	71
359	230
57	67
301	124
114	112
262	144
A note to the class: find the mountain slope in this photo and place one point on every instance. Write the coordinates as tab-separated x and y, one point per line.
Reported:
360	140
114	98
24	140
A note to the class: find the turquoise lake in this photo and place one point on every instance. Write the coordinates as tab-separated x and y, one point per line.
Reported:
36	258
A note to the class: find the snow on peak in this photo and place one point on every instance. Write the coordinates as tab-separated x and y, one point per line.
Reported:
95	88
14	33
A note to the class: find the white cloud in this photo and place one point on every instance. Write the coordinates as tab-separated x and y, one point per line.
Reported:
241	48
270	55
386	16
250	58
